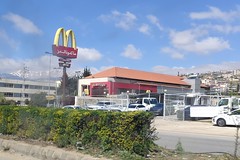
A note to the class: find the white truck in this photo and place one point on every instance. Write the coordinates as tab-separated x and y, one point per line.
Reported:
224	106
148	102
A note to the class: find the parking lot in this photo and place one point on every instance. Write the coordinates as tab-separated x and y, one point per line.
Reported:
195	136
205	127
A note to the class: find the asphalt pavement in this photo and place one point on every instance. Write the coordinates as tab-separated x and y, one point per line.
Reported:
195	136
204	127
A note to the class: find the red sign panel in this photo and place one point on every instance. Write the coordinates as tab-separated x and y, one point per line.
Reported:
64	52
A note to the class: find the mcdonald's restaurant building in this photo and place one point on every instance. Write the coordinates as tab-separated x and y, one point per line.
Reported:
115	81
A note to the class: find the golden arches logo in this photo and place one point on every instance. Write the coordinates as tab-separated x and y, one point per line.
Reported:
64	50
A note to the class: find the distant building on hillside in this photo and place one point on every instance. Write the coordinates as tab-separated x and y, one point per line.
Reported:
20	90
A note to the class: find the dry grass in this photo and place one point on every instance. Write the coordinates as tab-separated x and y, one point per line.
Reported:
158	153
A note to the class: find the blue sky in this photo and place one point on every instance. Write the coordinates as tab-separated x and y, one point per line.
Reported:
160	36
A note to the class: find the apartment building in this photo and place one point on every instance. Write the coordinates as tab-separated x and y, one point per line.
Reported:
20	90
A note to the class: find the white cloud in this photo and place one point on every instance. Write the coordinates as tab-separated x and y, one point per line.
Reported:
216	13
36	68
88	54
144	28
208	45
173	53
39	67
6	62
154	20
8	40
226	28
162	69
193	41
122	20
185	37
22	24
132	52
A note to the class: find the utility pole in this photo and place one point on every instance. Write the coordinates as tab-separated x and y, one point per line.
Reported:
25	70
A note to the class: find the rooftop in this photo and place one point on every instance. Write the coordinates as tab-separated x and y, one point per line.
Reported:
117	72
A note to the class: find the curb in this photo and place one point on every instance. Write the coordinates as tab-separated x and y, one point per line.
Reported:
43	152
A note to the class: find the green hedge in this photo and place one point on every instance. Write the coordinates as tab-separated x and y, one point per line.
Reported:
125	131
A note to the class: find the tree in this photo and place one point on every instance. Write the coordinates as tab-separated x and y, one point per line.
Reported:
38	100
71	86
86	72
2	98
60	88
72	83
4	101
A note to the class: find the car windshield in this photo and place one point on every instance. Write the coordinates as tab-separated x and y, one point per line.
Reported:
153	101
223	102
150	101
158	105
100	103
141	106
131	106
105	103
237	112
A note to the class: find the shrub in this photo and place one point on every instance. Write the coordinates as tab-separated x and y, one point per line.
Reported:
124	131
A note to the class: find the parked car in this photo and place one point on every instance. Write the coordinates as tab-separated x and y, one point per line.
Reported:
72	107
148	102
102	105
157	109
135	107
233	118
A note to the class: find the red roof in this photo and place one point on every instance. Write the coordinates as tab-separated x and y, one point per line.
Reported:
139	75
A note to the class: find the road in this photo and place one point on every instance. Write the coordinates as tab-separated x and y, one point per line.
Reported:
195	136
7	155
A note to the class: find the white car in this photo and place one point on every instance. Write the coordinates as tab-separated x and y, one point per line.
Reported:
135	107
101	105
72	107
233	118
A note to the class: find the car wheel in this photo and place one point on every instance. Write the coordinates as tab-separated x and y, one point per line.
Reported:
221	122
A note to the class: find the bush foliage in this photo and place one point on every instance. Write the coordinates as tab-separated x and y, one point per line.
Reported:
115	131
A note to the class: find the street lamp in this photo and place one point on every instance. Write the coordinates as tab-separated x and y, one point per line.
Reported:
164	103
78	74
127	97
58	83
49	75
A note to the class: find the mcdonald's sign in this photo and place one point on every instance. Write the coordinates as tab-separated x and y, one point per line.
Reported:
63	50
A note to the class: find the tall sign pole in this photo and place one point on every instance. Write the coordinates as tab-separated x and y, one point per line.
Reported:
64	84
64	53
